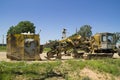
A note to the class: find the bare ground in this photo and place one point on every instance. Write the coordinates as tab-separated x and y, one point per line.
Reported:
95	75
43	55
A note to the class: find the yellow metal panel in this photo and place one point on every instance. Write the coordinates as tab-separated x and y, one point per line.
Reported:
16	46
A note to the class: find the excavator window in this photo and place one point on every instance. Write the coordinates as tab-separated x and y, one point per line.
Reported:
110	38
104	38
107	38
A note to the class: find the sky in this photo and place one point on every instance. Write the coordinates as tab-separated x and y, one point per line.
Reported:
51	16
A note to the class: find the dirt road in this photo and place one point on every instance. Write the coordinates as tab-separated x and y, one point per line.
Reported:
4	58
43	55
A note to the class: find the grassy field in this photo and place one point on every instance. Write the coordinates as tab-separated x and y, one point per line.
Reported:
67	70
2	48
46	49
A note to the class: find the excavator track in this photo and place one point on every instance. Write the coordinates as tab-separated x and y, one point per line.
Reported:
98	55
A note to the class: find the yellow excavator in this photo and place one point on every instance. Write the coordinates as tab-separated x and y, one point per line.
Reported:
99	45
103	45
68	46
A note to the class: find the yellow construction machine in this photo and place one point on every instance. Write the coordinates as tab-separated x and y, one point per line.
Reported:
27	46
103	45
68	46
99	45
23	46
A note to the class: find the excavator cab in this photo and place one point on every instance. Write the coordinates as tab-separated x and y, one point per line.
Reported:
103	45
107	41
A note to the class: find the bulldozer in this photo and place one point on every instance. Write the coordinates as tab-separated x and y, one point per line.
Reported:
24	46
98	45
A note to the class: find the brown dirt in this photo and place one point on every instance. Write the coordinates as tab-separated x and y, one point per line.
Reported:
4	58
94	75
43	55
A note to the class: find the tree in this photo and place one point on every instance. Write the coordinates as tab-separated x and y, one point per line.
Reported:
117	35
50	43
11	30
22	27
85	31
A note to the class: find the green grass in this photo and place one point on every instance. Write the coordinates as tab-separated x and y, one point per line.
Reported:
2	48
111	66
46	49
44	70
9	71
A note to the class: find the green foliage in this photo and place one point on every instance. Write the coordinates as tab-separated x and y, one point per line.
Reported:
85	31
117	36
50	43
106	65
22	27
75	65
9	71
11	30
46	49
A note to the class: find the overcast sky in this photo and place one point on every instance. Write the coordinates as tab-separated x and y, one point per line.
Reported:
51	16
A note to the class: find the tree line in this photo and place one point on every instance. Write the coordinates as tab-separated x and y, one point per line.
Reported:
27	26
22	27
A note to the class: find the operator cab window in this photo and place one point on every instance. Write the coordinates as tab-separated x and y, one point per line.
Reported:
104	38
110	38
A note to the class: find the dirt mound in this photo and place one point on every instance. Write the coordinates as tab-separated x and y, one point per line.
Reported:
3	56
95	75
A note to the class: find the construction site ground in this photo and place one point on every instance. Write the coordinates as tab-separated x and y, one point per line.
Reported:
43	55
